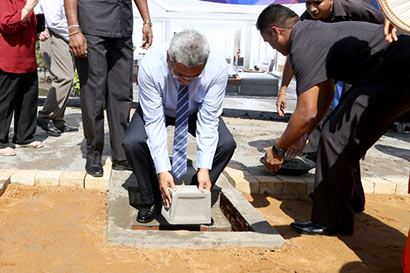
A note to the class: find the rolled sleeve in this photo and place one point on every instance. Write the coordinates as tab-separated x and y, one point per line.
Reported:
10	18
151	103
209	113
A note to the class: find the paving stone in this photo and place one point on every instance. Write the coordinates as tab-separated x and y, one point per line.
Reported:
299	187
236	172
4	179
368	185
402	184
5	175
26	177
47	178
288	178
247	184
72	179
270	184
382	186
99	183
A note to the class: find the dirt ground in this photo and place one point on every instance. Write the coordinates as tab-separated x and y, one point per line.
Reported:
55	229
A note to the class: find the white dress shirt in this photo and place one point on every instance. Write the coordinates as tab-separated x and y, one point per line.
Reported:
54	15
158	93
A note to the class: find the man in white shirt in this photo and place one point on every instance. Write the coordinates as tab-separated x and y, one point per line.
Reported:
60	63
185	62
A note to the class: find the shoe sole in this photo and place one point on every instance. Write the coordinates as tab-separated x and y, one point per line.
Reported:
96	175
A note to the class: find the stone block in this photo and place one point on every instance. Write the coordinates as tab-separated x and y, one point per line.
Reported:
246	184
99	183
368	185
72	179
382	186
189	206
26	177
402	184
5	175
236	172
270	184
47	178
299	187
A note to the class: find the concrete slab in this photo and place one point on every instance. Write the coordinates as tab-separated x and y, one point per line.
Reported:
121	215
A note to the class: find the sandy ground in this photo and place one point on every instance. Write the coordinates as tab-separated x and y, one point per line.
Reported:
54	229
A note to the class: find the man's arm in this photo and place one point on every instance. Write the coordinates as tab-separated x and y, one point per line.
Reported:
209	113
77	41
311	108
286	78
146	28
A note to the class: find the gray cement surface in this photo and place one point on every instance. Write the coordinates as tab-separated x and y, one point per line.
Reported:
121	217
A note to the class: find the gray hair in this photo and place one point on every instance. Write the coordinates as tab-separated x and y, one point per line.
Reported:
189	47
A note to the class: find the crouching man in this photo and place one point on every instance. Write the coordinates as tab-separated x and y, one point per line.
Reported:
181	83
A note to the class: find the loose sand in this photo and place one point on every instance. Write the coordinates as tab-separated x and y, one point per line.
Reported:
54	229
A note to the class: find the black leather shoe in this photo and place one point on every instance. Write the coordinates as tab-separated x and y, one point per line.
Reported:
147	213
315	229
121	165
49	127
66	129
94	169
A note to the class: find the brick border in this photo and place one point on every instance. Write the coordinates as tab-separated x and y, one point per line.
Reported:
240	178
57	178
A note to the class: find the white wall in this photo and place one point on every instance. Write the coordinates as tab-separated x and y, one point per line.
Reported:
222	28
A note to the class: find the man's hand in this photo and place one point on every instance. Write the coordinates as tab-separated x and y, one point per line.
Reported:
273	162
390	31
166	180
146	36
281	103
298	147
78	44
204	181
43	36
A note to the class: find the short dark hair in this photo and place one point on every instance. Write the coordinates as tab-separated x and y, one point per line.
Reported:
276	15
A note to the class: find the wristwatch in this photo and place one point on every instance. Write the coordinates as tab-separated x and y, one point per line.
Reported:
278	151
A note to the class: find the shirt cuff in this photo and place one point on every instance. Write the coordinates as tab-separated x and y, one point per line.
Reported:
204	160
162	164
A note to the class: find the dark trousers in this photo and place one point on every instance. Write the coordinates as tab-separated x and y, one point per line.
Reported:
18	94
139	156
363	116
105	80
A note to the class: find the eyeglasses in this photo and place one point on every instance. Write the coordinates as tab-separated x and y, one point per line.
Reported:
178	75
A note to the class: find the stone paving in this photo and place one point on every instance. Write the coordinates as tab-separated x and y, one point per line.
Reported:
61	162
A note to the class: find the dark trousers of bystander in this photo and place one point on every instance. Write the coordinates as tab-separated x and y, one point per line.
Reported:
363	116
18	95
106	81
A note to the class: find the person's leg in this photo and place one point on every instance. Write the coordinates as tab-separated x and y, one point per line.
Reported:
362	118
119	93
25	117
92	72
223	154
139	157
61	66
8	86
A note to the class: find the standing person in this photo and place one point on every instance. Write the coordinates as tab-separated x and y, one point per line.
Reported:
60	63
18	74
329	11
320	53
100	38
182	83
